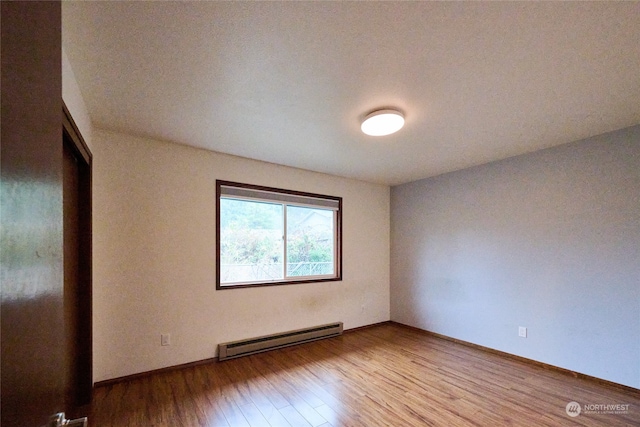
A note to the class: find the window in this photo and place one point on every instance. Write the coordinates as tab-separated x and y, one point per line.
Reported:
269	236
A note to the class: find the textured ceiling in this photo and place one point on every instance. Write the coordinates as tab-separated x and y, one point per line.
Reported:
289	82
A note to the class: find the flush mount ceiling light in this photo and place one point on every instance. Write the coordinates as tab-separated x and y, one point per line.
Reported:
382	122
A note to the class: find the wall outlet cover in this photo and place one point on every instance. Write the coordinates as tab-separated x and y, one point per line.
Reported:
165	339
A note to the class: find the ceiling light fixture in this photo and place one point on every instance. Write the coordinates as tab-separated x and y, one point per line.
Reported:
382	122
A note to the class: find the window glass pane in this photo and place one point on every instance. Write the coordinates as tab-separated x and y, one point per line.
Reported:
251	246
310	237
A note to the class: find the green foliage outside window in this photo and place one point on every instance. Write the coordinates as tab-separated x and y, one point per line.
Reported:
252	247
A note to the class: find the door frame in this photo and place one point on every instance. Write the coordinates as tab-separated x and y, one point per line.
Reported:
81	391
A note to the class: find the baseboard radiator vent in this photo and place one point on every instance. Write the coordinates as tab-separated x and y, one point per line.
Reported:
240	348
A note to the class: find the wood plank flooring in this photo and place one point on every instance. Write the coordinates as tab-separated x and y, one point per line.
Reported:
386	375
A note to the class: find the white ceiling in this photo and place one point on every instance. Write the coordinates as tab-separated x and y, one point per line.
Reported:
289	82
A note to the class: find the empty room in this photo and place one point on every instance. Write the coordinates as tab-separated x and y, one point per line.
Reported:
321	213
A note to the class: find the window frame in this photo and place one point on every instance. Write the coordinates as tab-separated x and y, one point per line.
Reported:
284	281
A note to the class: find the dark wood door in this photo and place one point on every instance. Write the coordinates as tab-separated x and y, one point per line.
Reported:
31	267
72	285
77	268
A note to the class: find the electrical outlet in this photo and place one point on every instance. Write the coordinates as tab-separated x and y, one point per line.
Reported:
165	339
522	332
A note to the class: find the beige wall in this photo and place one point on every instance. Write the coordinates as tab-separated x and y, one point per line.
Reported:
74	101
154	256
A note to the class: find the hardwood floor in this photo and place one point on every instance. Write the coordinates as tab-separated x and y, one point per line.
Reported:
387	375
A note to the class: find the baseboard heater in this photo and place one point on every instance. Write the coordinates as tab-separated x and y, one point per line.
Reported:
240	348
